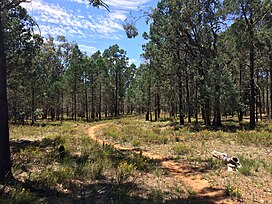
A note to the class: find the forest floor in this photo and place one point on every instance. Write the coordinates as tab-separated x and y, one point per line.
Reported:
185	153
130	160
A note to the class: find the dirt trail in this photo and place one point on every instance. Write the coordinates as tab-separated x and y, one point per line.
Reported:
204	192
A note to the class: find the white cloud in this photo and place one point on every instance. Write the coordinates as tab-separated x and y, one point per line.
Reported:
88	49
131	61
126	4
120	4
55	17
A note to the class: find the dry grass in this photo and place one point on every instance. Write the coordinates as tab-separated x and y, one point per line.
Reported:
252	183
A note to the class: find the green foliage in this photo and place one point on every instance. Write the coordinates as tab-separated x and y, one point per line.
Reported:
157	195
212	163
256	137
124	171
135	143
135	134
19	195
233	192
91	170
249	166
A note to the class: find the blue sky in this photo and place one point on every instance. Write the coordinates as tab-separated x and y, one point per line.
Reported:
91	28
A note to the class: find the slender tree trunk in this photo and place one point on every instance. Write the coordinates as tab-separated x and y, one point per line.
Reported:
158	100
181	116
260	107
196	102
62	106
32	105
75	94
92	102
100	100
252	85
148	114
267	98
270	69
217	109
116	94
240	112
156	111
188	95
86	103
5	162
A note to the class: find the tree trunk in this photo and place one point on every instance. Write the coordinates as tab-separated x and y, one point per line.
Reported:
100	101
75	94
86	104
116	94
5	162
196	102
217	107
92	104
181	116
32	105
270	67
158	101
240	112
156	111
267	99
149	102
252	91
188	95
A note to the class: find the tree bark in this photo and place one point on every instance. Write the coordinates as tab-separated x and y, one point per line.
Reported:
188	95
240	112
5	162
270	67
100	100
252	85
217	109
181	116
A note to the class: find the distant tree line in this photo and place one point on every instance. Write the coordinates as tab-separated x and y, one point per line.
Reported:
203	59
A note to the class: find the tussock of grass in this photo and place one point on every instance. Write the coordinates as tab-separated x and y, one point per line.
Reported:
249	166
181	149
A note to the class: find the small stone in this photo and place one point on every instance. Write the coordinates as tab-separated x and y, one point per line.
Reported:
261	201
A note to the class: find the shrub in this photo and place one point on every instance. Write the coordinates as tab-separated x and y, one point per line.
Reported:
124	171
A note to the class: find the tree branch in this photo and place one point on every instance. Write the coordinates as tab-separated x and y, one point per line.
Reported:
13	4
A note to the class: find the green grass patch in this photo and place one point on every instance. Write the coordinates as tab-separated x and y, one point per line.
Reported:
249	166
181	149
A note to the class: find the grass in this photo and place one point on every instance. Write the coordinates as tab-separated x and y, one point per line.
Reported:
181	149
135	134
233	192
121	176
41	174
249	165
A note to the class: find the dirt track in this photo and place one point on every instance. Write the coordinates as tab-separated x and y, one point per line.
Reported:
178	170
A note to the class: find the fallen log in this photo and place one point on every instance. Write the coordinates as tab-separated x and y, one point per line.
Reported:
232	163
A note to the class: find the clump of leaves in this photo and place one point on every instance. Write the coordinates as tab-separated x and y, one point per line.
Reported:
131	30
